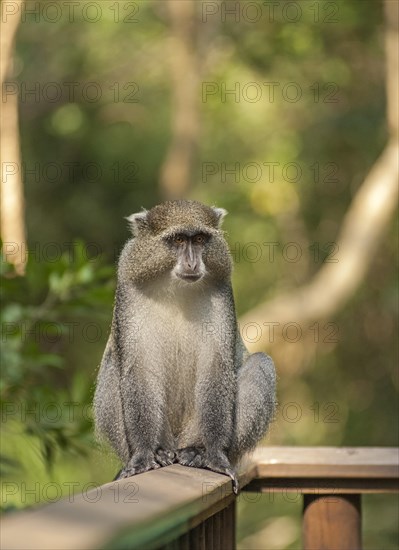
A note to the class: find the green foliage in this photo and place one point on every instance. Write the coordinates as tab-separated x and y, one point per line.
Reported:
45	314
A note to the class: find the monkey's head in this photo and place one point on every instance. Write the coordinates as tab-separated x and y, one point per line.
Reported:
183	238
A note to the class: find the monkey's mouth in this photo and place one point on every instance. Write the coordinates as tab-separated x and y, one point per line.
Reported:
189	277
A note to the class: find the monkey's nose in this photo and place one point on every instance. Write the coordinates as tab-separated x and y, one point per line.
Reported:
192	265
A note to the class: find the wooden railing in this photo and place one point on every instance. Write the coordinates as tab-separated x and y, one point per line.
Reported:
185	508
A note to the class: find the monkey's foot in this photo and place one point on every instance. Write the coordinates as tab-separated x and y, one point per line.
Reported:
217	461
142	462
138	464
191	456
164	457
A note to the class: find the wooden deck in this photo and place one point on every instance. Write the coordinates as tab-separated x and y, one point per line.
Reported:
187	508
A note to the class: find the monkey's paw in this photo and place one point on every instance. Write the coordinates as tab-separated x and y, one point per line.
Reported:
191	456
138	464
217	461
164	457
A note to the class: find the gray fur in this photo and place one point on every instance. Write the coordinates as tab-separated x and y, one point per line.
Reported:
176	383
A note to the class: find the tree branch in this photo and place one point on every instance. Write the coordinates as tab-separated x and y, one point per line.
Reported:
362	228
12	197
176	171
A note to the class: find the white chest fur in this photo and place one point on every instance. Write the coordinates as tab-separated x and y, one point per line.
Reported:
175	326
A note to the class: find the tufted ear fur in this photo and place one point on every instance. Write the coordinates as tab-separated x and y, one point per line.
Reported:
220	214
138	222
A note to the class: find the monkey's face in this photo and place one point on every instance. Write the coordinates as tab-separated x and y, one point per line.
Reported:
189	248
181	239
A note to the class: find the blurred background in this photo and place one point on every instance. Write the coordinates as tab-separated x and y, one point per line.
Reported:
276	111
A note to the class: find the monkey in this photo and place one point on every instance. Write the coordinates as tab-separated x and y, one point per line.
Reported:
176	383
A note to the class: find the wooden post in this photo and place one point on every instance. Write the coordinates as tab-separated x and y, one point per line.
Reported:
332	522
215	533
229	537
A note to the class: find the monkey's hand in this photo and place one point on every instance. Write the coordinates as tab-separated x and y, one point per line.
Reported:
139	463
142	462
165	457
217	461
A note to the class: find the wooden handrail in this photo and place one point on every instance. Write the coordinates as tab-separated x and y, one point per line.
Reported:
196	508
323	469
329	462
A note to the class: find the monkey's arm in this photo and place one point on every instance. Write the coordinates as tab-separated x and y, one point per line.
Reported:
134	389
216	392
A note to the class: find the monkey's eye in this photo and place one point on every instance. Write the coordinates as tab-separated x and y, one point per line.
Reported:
199	239
179	240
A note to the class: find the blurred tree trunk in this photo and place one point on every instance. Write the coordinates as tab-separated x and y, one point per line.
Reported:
363	226
176	171
12	198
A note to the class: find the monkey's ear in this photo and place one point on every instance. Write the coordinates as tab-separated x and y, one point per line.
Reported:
220	214
138	222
